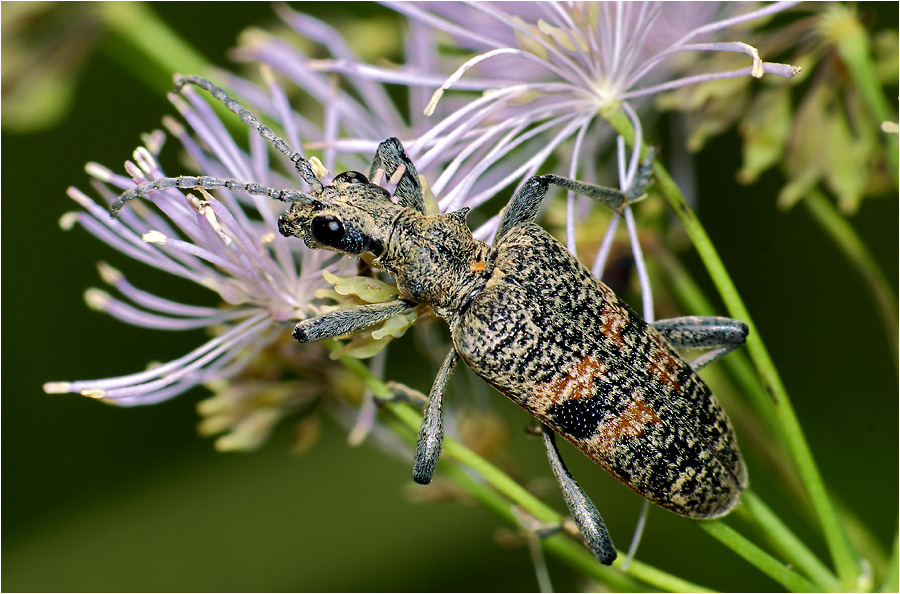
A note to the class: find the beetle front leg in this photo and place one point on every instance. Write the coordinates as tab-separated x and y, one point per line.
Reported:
347	321
431	433
392	165
722	335
585	514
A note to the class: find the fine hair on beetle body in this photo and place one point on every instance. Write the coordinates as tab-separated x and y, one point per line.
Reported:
529	319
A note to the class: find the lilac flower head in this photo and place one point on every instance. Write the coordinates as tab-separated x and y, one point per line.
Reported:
545	71
228	245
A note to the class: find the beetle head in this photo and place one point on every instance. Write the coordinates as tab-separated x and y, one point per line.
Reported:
350	216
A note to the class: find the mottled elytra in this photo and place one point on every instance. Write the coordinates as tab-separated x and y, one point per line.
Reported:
530	320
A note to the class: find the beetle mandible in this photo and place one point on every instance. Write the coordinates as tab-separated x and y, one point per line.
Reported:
530	320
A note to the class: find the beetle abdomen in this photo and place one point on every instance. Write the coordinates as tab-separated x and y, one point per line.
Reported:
562	345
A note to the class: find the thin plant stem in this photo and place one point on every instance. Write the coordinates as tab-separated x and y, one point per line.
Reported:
845	559
855	48
786	542
758	557
847	240
739	368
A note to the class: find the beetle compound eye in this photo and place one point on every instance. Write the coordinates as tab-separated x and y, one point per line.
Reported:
327	229
350	177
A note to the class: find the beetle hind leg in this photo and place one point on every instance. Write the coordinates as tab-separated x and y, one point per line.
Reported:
585	514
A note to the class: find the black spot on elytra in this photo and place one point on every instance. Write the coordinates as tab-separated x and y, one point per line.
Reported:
580	418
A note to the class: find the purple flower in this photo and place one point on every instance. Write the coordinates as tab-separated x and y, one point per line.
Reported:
546	73
226	244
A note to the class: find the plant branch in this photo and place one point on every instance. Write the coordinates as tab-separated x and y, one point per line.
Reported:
758	557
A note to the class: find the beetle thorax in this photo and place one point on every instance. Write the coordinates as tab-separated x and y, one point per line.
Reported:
435	260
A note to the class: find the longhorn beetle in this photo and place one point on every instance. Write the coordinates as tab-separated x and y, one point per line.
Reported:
529	319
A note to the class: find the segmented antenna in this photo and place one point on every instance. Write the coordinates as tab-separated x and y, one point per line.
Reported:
190	182
205	182
300	164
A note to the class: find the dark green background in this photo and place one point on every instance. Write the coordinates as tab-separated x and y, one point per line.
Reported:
100	498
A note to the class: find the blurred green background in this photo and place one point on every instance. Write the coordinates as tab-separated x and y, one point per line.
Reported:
101	499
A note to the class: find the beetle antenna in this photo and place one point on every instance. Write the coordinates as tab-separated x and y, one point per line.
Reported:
190	182
300	164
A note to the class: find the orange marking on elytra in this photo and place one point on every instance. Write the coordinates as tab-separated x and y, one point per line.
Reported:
613	320
477	266
633	422
664	367
576	384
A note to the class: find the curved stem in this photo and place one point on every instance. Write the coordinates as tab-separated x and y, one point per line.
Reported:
842	554
845	237
758	557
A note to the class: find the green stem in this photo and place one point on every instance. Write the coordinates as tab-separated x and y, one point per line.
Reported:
153	50
775	531
845	237
855	50
842	554
844	557
786	542
758	557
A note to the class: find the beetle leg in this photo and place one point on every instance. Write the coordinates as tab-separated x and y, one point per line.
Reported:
524	206
722	335
431	433
347	321
586	516
391	158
